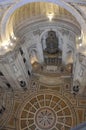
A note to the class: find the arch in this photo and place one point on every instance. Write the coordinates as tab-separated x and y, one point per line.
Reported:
58	34
33	55
11	10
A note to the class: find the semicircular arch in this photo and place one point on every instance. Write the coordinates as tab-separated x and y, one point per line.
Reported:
69	8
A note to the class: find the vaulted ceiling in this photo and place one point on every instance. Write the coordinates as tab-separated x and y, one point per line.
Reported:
39	10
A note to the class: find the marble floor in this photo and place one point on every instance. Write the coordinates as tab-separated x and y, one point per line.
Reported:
42	107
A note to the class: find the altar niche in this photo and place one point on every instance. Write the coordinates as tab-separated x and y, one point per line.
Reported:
52	53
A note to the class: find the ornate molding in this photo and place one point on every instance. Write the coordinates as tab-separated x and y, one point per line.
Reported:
81	9
10	56
80	2
4	6
8	2
27	26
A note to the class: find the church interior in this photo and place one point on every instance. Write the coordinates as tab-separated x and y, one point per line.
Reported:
42	65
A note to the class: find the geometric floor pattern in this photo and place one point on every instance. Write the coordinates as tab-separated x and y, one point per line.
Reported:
47	112
42	107
6	99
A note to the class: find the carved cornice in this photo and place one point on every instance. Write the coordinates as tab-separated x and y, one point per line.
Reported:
9	57
27	26
11	54
81	9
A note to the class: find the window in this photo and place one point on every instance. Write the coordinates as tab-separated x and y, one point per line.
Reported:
29	72
24	60
8	85
21	51
1	74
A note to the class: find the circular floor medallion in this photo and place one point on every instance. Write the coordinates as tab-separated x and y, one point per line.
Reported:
46	111
45	118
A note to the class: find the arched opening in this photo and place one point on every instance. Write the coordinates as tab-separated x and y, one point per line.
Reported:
7	16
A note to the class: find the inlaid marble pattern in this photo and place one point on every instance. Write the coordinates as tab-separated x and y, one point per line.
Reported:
47	112
6	99
43	108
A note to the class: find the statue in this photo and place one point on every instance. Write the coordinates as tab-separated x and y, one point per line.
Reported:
51	43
